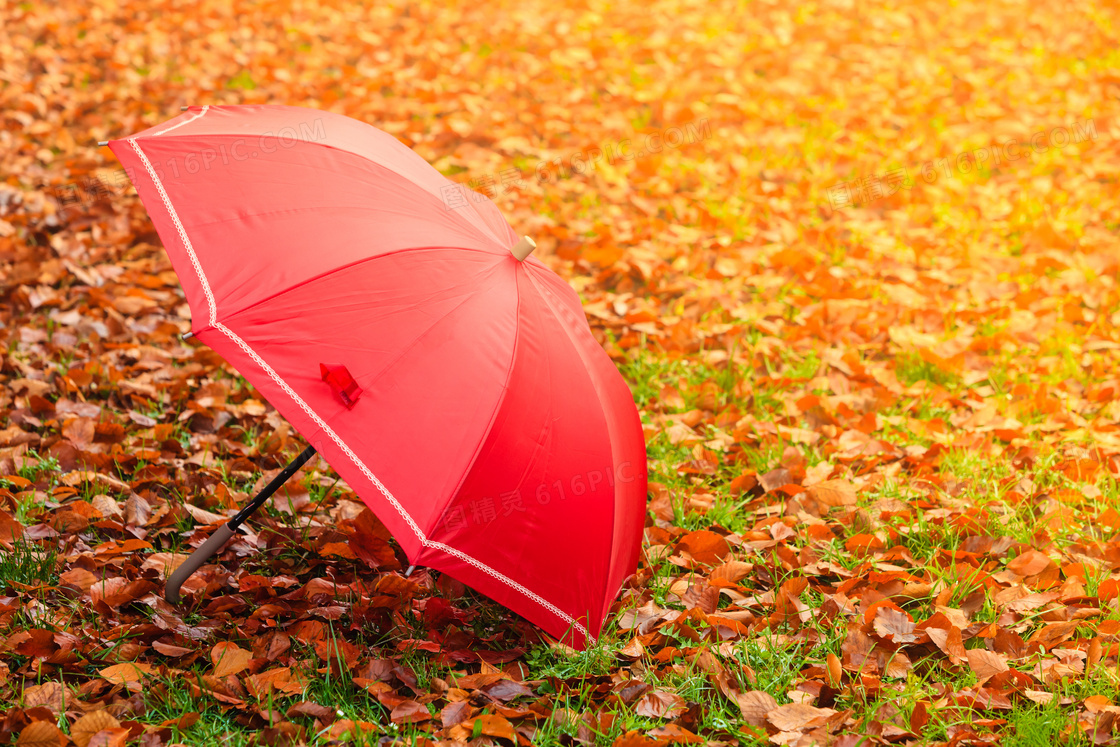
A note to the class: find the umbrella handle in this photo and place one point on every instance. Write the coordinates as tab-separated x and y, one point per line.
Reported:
214	543
196	560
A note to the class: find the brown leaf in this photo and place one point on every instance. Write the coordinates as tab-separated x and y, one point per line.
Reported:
79	578
409	712
338	550
1052	634
894	625
455	713
370	541
169	649
660	704
636	739
164	562
80	432
137	511
856	652
187	720
731	572
84	729
919	717
676	734
41	734
307	708
949	641
10	529
280	680
798	716
754	706
116	737
50	695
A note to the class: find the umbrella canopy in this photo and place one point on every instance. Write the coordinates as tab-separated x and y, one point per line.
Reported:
377	305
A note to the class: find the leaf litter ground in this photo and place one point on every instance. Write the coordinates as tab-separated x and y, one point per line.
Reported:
876	358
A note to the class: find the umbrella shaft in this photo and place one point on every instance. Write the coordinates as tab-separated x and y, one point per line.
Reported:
272	487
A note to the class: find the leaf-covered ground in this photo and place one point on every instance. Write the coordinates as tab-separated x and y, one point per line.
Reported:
859	265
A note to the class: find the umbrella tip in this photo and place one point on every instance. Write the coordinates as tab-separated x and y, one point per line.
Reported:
523	248
183	108
102	143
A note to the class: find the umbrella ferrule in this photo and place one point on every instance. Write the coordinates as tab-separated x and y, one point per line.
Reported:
523	248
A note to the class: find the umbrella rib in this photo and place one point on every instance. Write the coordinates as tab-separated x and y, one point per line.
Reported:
561	312
321	423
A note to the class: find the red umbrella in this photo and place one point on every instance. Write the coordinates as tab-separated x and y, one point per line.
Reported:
397	322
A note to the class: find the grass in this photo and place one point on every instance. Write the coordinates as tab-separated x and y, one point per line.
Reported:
29	564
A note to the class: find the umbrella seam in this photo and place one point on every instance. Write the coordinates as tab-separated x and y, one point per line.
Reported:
344	268
319	421
497	408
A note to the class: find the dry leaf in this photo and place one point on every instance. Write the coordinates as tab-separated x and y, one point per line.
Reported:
84	729
41	734
754	706
229	659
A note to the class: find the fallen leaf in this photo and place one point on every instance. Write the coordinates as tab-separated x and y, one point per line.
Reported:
41	734
84	729
660	704
229	659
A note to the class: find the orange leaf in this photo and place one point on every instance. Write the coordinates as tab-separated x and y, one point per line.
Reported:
986	664
833	493
1030	563
229	659
706	547
128	672
834	670
494	726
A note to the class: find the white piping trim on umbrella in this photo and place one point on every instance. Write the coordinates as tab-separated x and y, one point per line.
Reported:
182	232
198	115
320	422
